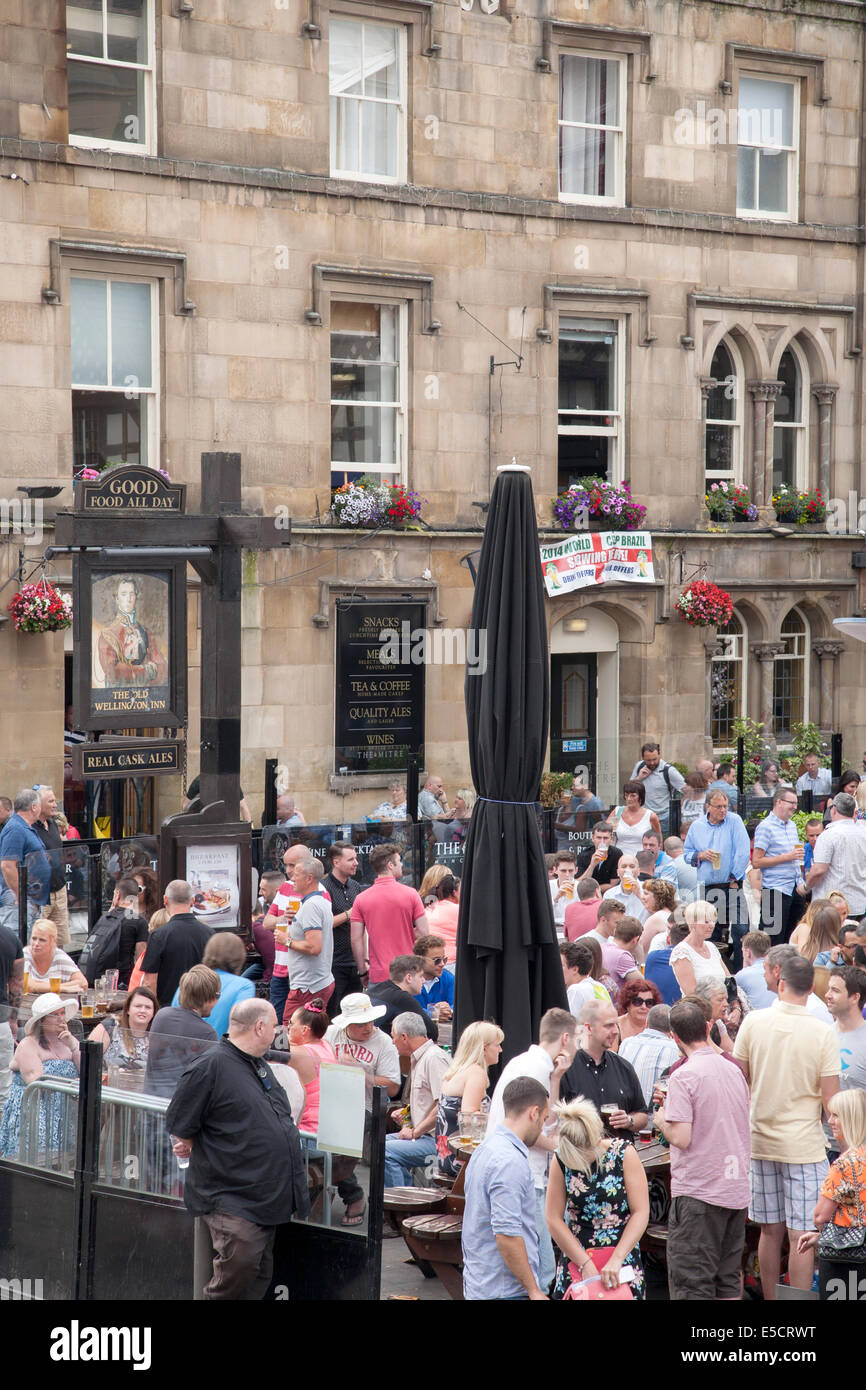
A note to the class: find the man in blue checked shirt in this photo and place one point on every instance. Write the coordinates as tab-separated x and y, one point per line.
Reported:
717	844
779	855
500	1239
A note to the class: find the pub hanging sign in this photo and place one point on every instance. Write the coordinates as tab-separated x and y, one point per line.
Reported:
130	644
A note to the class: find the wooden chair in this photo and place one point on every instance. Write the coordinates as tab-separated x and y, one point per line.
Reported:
401	1202
435	1241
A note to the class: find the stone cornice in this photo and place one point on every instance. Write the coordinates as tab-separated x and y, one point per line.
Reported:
285	181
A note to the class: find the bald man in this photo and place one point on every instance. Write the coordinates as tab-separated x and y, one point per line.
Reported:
243	1187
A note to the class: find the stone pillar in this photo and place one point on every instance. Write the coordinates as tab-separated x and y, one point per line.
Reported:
827	652
825	395
707	383
765	653
763	394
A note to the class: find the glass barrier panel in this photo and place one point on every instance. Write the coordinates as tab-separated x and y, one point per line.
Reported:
364	836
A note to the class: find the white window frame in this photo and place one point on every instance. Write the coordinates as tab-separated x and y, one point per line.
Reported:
801	437
152	434
736	650
617	199
148	145
616	432
399	473
791	152
736	424
806	656
401	104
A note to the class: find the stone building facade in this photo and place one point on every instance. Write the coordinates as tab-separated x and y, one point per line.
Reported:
649	213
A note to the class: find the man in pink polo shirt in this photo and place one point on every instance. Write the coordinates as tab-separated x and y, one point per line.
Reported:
582	916
389	914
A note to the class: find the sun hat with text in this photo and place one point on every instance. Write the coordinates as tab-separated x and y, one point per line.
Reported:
49	1004
358	1008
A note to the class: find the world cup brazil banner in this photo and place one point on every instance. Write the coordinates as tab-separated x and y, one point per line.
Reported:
597	557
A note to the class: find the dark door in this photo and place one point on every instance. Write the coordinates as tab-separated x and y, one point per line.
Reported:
573	691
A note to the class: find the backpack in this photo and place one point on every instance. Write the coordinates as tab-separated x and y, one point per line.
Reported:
102	947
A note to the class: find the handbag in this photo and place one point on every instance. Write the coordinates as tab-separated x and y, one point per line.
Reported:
845	1243
592	1288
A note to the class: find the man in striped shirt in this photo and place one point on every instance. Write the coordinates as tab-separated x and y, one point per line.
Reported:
652	1051
778	853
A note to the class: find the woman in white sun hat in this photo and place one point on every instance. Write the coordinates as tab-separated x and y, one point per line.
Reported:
48	1049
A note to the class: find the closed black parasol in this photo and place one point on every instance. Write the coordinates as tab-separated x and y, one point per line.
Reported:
508	964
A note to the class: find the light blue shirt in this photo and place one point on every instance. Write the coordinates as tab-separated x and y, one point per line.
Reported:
754	985
687	879
730	839
233	988
775	836
666	868
500	1201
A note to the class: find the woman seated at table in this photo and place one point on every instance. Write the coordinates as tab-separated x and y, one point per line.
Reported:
464	1086
125	1043
636	998
43	958
307	1030
715	994
597	1201
48	1049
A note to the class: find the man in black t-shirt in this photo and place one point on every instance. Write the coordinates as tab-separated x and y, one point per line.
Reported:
398	994
603	1077
601	860
175	948
344	889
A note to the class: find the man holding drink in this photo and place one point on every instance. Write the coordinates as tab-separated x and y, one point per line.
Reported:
601	861
717	844
280	915
779	855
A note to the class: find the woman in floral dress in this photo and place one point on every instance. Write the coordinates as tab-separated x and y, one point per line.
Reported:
597	1199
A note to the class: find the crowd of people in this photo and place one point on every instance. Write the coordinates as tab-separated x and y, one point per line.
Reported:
716	988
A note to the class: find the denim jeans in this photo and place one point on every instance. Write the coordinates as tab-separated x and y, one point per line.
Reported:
403	1156
9	911
546	1258
279	994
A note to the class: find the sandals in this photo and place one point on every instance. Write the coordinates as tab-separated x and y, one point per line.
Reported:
358	1218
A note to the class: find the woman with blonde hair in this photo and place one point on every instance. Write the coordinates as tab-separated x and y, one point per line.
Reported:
597	1202
840	1213
464	1086
860	798
697	958
431	881
44	958
819	930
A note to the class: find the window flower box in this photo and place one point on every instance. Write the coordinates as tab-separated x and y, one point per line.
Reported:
592	504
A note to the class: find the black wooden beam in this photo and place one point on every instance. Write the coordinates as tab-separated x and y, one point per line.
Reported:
221	644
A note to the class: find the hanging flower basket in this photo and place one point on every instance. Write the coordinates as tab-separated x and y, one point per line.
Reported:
374	503
41	608
702	604
89	475
602	504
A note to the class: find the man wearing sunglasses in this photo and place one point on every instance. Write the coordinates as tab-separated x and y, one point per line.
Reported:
437	990
243	1187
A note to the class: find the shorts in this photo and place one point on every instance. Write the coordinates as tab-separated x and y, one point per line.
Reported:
785	1193
705	1250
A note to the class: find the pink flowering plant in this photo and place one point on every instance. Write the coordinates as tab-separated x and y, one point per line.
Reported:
702	604
88	475
728	501
596	500
41	608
